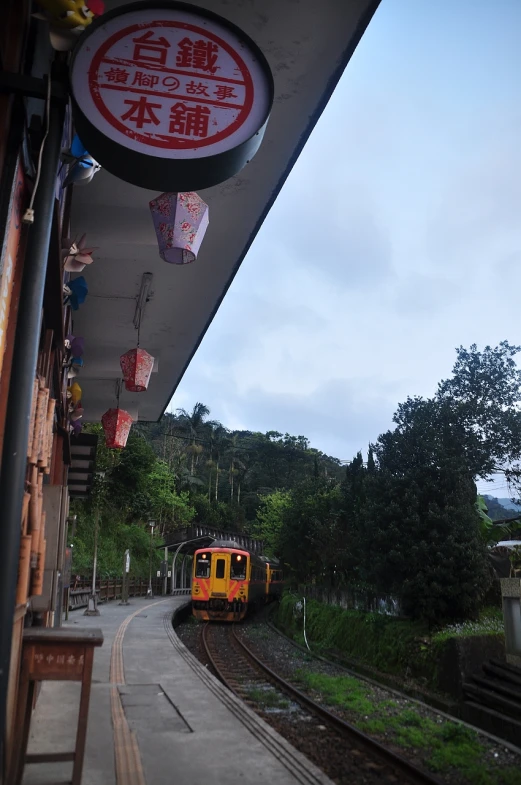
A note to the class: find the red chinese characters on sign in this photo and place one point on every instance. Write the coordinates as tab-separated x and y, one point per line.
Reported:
201	55
141	112
150	50
170	85
189	120
117	75
197	89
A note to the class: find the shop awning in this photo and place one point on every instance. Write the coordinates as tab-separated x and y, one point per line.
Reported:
308	45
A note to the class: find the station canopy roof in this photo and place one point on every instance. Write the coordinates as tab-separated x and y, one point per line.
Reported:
191	538
308	45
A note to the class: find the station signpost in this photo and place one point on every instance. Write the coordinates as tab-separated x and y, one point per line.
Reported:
169	96
126	570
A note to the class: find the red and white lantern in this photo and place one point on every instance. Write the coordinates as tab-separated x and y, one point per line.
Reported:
180	221
136	365
116	425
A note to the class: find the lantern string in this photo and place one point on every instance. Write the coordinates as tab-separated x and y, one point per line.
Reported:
138	331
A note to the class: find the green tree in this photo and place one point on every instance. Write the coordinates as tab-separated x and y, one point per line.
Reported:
193	422
483	395
491	532
423	524
270	519
221	442
171	509
310	531
353	546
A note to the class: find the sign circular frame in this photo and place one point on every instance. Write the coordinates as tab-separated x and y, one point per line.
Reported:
168	96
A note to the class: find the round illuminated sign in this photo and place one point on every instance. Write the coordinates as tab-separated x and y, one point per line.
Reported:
168	96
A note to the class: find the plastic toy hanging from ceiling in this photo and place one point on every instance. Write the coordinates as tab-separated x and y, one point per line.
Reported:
68	19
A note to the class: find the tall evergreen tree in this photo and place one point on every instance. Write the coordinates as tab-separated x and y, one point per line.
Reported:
423	524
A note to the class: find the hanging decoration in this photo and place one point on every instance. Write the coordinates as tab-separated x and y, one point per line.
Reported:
77	345
75	292
136	365
73	361
116	426
76	255
75	412
76	427
68	19
180	221
82	166
75	392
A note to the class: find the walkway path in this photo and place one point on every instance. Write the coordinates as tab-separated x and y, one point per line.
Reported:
157	716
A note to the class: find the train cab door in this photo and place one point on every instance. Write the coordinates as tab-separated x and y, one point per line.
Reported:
221	571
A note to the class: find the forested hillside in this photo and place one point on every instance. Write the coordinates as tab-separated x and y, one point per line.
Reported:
401	519
496	510
228	473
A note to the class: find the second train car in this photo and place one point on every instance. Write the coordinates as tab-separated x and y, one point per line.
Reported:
227	581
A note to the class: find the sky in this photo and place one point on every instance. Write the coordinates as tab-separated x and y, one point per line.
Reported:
420	246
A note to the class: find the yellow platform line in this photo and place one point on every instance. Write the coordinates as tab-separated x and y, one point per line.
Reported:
127	758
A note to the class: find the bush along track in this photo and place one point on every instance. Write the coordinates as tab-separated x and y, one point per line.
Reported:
400	653
456	753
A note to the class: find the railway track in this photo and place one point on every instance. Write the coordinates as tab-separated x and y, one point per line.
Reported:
245	674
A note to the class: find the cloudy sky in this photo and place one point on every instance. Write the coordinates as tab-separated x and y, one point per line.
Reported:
416	166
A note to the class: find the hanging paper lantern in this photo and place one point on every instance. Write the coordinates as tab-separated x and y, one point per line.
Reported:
180	221
136	366
116	425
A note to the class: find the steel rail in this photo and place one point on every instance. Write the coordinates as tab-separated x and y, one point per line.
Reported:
371	746
217	668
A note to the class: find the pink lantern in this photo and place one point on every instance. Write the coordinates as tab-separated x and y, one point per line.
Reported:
180	221
136	366
116	425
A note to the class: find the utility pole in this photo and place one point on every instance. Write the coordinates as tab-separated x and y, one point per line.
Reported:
150	593
165	579
92	608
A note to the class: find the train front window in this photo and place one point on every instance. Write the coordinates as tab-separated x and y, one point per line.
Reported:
238	567
202	567
219	571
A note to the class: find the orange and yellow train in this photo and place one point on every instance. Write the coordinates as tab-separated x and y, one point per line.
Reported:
227	581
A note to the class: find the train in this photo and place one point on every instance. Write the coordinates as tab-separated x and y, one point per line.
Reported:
228	581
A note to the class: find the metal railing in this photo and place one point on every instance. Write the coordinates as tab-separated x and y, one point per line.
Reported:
111	589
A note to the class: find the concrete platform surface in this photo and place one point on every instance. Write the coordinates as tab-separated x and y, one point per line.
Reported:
157	716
